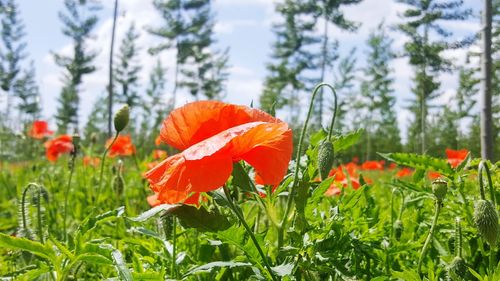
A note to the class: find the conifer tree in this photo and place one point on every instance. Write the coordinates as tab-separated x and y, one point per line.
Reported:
377	97
13	49
26	90
79	21
422	24
128	68
188	29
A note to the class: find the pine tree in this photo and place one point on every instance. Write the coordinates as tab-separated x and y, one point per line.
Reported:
344	82
330	13
13	50
377	98
79	21
422	22
290	58
188	29
128	68
26	89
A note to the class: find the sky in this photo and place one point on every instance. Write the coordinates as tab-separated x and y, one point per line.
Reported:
242	25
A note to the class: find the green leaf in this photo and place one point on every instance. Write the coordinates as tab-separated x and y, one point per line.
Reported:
240	178
33	247
283	269
423	162
418	175
345	141
94	259
406	275
201	219
152	212
145	276
90	222
121	266
217	264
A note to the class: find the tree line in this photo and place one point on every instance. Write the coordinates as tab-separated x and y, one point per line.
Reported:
305	51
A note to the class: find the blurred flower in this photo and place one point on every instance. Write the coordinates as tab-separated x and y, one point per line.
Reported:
341	181
392	166
433	175
158	141
121	147
57	146
39	130
373	165
212	136
91	161
455	157
151	165
159	154
404	172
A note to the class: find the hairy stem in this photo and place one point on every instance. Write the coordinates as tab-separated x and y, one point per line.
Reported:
429	236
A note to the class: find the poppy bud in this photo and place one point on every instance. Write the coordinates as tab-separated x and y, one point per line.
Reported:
439	188
121	118
486	219
398	229
325	159
457	269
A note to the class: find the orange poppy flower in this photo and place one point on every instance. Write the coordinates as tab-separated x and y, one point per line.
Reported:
39	130
212	136
57	146
373	165
455	157
159	154
341	179
151	165
122	147
393	166
91	161
404	172
191	200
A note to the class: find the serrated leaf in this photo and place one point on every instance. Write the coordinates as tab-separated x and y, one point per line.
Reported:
24	244
201	219
121	266
152	212
345	141
423	162
217	264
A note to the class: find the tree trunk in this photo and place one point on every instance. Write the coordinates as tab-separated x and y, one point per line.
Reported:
110	86
486	99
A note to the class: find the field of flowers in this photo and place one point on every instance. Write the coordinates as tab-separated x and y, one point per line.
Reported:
222	199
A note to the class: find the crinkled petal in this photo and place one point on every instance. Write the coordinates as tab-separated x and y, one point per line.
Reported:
198	121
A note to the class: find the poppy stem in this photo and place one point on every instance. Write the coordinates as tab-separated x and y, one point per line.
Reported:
438	204
103	157
66	196
291	195
239	214
483	166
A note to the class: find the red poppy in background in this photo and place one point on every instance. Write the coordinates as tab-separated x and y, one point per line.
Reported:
91	161
57	146
455	157
433	175
212	135
121	147
373	165
158	141
404	172
159	154
341	178
39	130
392	166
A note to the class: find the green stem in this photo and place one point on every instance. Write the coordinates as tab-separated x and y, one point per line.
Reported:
103	157
239	214
291	195
174	248
39	214
429	236
483	166
66	195
492	260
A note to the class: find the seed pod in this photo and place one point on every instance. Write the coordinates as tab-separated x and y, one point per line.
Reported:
457	269
325	158
486	219
439	188
121	118
398	229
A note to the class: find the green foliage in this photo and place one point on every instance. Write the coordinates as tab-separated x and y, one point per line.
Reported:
422	162
127	70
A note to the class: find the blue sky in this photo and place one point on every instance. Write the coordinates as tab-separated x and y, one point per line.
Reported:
242	25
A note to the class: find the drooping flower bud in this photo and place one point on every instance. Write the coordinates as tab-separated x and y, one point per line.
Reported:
486	219
121	118
398	229
325	158
439	189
